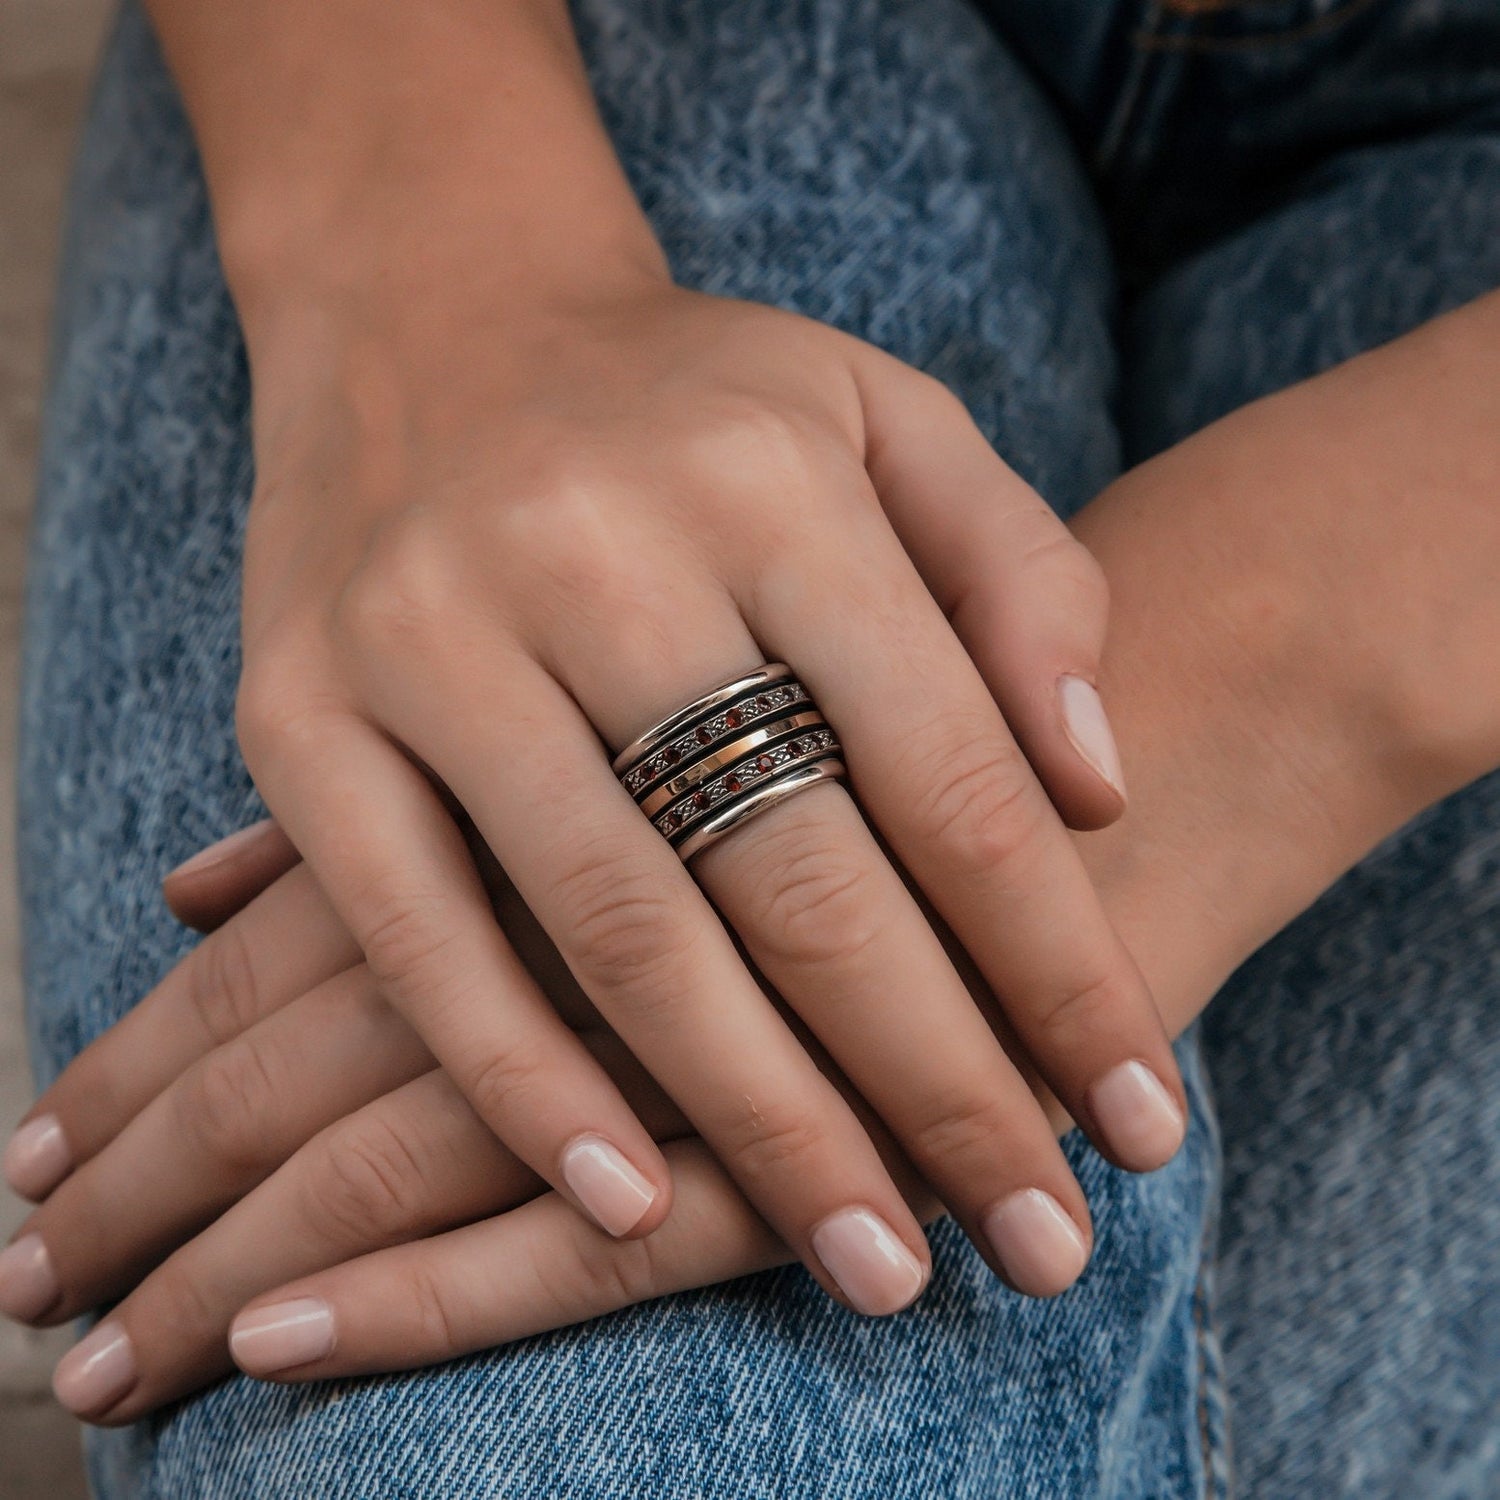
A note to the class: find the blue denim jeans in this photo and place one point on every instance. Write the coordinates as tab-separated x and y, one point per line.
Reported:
1104	224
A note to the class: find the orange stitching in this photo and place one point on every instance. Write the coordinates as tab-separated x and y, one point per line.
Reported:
1152	42
1207	7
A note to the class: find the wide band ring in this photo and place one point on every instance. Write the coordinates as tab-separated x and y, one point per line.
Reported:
739	749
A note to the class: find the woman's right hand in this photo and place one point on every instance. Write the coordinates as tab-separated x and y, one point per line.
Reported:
516	492
485	536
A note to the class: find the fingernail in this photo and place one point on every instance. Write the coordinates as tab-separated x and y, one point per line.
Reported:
228	845
282	1335
1036	1242
1088	727
96	1371
1137	1116
37	1158
606	1184
28	1284
872	1266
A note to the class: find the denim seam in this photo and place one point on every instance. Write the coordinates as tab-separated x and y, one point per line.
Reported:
1153	40
1127	106
1211	1490
1209	7
1213	1394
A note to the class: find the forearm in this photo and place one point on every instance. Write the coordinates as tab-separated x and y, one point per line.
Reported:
1333	554
450	151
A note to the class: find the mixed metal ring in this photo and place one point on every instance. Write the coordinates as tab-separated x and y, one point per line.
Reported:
736	751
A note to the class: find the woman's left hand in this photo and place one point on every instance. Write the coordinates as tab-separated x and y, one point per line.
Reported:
264	1115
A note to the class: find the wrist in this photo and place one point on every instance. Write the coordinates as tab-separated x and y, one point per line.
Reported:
446	158
1256	776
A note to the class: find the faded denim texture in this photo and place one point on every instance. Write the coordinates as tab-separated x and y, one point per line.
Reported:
1104	224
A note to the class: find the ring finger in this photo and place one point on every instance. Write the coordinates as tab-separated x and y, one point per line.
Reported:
633	928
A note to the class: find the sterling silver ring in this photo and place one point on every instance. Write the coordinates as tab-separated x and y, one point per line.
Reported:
735	751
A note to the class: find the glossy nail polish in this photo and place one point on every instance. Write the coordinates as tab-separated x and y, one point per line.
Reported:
231	843
870	1262
1137	1116
613	1192
1036	1242
96	1372
28	1284
282	1336
1087	726
37	1157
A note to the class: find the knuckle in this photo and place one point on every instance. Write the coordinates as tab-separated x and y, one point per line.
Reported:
223	990
583	579
404	585
600	1274
268	703
958	1130
939	402
577	528
633	937
190	1307
281	712
746	435
506	1084
367	1184
228	1105
408	938
814	902
439	1321
1074	575
1082	1010
761	1151
973	797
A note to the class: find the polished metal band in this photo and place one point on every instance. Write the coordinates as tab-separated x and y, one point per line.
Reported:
736	751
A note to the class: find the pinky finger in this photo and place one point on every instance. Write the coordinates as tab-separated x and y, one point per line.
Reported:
534	1269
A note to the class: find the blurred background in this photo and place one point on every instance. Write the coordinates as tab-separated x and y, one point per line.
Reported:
47	49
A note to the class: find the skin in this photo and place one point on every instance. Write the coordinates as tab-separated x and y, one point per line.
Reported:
1270	745
516	492
1323	694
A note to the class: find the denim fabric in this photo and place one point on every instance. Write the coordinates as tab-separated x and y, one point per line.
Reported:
1166	210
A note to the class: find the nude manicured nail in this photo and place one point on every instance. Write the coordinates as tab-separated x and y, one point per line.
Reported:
282	1336
228	845
606	1184
1088	728
37	1158
28	1284
96	1372
1036	1241
871	1264
1137	1116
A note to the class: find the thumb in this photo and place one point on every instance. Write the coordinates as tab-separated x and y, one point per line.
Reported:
206	890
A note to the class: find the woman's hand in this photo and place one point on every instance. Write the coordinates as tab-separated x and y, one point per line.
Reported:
461	561
517	493
1270	747
271	1130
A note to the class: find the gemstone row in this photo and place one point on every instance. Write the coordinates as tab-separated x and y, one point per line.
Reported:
737	716
738	778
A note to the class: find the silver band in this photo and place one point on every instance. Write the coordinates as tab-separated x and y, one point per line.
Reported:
735	751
